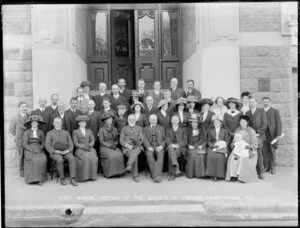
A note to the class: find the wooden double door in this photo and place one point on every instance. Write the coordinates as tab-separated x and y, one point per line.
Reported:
144	42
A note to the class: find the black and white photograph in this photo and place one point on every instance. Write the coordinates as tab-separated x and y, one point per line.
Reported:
162	114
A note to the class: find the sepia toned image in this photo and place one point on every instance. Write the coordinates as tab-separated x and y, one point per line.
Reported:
163	114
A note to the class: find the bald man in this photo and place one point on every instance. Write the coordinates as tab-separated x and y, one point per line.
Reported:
40	111
117	99
154	143
100	97
176	92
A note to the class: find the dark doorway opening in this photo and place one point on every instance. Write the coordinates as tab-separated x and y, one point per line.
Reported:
122	47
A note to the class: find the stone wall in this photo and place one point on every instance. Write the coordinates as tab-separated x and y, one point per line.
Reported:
17	68
256	17
272	63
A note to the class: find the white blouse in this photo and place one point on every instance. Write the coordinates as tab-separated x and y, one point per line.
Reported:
82	131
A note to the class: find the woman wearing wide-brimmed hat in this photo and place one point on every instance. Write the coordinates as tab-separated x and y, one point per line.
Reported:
219	107
141	119
164	117
193	107
231	117
180	107
217	152
196	153
35	160
111	157
206	115
85	154
244	168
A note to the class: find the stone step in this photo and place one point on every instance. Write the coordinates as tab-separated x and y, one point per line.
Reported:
254	216
44	215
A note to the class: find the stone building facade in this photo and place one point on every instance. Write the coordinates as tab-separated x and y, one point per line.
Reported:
226	47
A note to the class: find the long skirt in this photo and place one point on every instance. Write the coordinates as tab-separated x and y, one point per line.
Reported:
112	161
195	164
243	168
35	166
86	165
215	164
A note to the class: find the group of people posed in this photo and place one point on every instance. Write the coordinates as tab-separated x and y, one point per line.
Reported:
155	130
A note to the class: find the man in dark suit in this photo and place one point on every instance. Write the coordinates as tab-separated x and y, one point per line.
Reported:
51	111
99	97
116	99
17	129
154	143
258	121
192	91
106	109
149	108
94	125
141	89
70	116
273	131
156	93
176	92
171	102
123	91
40	111
176	140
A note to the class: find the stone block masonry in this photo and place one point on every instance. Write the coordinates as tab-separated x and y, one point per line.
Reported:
17	68
273	63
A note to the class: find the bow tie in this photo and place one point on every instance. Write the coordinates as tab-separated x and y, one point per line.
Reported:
232	111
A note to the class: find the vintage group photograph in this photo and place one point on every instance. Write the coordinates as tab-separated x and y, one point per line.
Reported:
150	114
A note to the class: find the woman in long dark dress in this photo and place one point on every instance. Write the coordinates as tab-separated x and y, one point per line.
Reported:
216	156
111	157
35	160
231	118
85	154
196	153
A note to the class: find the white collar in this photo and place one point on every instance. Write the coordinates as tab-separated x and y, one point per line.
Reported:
152	126
41	109
80	98
253	110
121	90
116	96
174	88
34	128
190	90
62	114
175	128
234	113
266	109
91	111
108	109
73	110
163	112
156	91
53	107
102	94
150	108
